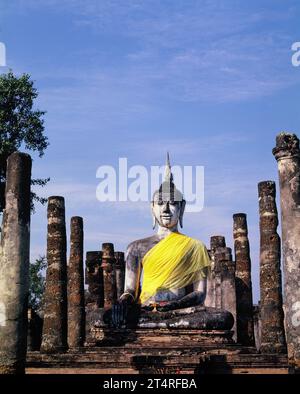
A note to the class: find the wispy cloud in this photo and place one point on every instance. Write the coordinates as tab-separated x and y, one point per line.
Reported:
194	51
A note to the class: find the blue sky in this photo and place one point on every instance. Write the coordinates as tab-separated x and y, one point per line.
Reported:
210	81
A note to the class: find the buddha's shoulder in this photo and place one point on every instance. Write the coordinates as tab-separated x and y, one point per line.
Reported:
142	245
196	240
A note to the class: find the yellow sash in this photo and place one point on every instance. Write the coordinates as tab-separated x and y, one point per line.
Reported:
173	263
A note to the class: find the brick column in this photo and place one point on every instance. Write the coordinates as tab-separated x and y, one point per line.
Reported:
55	308
245	328
109	279
76	311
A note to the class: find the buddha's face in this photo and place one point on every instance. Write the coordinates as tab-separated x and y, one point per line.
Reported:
166	212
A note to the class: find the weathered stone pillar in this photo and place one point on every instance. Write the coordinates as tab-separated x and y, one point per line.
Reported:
76	311
214	292
217	241
120	273
109	279
226	271
209	299
14	265
94	278
271	312
95	297
55	307
287	155
245	329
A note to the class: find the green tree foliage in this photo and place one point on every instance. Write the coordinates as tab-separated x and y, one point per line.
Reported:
37	283
20	125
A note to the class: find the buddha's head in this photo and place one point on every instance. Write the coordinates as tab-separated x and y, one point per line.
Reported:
167	204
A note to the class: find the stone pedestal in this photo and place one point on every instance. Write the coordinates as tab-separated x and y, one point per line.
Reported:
149	337
287	154
14	265
55	308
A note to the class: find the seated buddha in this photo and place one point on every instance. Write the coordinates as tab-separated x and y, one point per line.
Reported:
166	273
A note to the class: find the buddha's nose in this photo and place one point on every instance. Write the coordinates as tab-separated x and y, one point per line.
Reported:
166	207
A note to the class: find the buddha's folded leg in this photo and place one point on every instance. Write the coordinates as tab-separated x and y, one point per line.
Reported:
197	317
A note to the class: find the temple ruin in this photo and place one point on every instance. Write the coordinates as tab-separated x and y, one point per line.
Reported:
77	332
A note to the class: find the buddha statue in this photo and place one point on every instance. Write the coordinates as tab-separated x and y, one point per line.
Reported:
166	273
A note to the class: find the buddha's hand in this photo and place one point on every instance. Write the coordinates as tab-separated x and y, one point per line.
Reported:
147	308
168	307
119	313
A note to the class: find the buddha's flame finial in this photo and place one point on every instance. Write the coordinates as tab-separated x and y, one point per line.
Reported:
168	172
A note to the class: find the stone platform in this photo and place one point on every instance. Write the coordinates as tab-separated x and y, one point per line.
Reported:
159	360
141	337
159	351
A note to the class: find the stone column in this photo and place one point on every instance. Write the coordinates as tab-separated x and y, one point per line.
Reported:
287	155
55	308
209	299
109	279
14	265
94	278
214	292
217	241
76	311
245	328
95	296
226	269
120	273
271	312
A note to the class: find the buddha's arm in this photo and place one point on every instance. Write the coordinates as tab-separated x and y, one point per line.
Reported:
196	297
132	275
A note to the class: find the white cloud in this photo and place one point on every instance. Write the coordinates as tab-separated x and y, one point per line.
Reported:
191	51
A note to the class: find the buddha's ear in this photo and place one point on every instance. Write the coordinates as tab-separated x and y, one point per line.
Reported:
153	217
182	207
